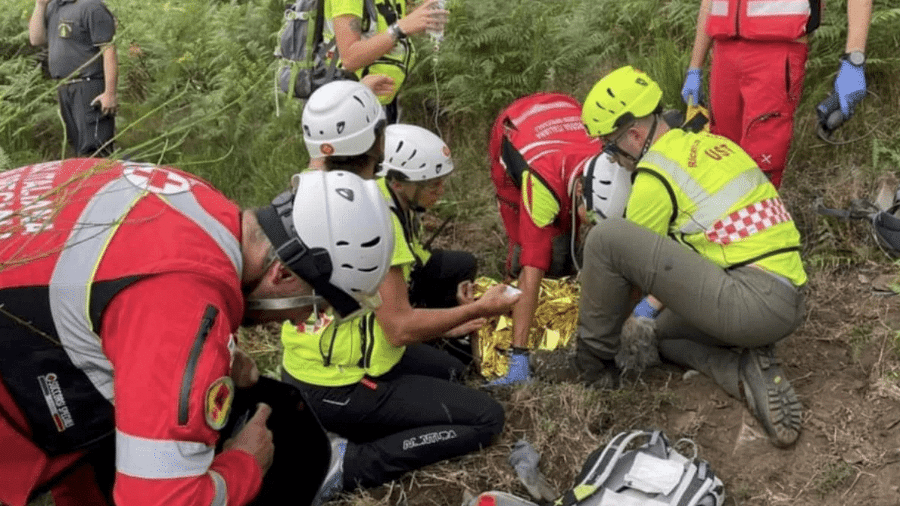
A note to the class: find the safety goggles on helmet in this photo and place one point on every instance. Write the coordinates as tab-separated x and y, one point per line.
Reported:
340	241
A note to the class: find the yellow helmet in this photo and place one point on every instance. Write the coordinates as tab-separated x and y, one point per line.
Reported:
622	96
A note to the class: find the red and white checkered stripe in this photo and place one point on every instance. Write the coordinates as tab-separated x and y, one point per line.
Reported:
748	221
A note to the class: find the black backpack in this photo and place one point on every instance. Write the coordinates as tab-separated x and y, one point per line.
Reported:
307	61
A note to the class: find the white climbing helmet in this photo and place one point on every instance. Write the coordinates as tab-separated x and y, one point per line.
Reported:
334	231
415	153
607	186
342	118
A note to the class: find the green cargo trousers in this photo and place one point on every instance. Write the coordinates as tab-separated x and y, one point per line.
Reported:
708	310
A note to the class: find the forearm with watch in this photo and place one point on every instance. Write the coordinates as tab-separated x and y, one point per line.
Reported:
396	33
850	83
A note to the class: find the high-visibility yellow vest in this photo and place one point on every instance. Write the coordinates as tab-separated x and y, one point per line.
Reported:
331	353
408	231
396	62
722	205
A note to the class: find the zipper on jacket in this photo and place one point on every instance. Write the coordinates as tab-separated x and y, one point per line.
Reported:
190	369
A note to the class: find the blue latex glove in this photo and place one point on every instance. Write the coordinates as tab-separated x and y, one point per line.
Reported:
645	310
850	86
519	371
693	86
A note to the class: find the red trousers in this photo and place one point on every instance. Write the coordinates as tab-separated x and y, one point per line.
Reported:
754	90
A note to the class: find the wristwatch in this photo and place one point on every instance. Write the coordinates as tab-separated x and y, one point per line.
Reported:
396	33
856	58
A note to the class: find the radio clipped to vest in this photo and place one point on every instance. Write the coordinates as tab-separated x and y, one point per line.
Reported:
308	61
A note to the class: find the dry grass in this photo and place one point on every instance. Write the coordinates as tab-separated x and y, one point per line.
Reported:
565	422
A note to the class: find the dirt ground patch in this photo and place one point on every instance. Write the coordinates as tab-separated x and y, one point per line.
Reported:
843	363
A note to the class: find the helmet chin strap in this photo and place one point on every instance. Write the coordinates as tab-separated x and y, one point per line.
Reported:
650	135
647	143
282	303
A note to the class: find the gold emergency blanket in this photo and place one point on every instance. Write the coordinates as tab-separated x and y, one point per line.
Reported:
555	320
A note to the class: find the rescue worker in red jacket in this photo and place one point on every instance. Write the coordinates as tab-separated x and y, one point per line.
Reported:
121	285
758	66
756	76
538	150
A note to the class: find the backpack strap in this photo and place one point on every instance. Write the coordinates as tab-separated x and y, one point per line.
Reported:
314	38
701	481
513	161
369	15
860	209
658	446
321	49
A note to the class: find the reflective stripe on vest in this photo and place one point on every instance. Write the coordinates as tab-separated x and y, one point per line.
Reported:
757	8
69	289
537	108
770	20
221	497
710	207
718	8
158	459
541	144
188	205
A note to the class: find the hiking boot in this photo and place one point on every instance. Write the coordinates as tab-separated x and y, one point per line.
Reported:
560	367
604	376
334	480
770	396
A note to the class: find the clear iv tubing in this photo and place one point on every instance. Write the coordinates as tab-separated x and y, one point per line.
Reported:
436	37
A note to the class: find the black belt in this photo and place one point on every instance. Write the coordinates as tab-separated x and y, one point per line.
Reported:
81	80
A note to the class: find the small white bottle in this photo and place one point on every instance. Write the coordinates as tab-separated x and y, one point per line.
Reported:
437	35
511	291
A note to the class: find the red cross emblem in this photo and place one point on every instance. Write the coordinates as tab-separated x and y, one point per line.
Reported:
156	180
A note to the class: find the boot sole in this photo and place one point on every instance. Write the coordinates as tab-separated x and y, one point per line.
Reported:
770	396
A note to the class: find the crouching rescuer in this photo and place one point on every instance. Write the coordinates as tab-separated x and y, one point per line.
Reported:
710	242
121	287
